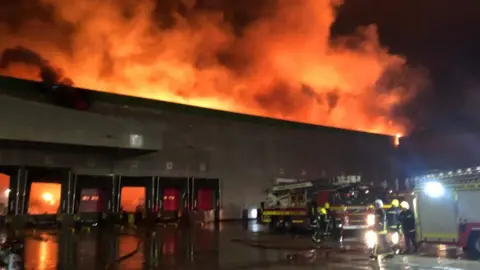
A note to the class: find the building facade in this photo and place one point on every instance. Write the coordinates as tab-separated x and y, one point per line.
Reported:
129	136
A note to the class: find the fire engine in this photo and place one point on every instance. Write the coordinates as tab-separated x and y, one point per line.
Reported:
289	202
447	209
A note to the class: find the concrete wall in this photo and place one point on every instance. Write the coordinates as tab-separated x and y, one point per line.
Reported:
247	157
35	121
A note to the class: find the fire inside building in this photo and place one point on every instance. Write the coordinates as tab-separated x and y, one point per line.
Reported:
65	150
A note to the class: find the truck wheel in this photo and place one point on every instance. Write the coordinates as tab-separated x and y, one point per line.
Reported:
287	224
473	245
275	224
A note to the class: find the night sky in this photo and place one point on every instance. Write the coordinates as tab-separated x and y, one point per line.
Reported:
442	36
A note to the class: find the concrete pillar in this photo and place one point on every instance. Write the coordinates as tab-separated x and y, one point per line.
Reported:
17	176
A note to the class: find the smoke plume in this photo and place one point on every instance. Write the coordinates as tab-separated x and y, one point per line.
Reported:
278	61
47	73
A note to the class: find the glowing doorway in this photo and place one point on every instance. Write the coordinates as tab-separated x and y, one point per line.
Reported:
44	198
4	193
132	199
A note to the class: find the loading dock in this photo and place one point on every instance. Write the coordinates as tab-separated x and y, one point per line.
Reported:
45	194
103	187
137	195
172	197
14	175
206	199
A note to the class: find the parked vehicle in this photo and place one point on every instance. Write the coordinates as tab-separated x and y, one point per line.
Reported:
446	209
290	204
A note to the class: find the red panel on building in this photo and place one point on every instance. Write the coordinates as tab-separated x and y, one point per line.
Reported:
205	199
170	199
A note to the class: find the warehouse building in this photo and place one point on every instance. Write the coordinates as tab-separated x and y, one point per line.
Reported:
82	136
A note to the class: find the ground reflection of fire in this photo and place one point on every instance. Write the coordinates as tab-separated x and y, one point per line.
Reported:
169	244
44	198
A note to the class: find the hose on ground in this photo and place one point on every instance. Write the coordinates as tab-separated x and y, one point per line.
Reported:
126	256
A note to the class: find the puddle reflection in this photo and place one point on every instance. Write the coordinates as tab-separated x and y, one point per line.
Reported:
166	248
41	252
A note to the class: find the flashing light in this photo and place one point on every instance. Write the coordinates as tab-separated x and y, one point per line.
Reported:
367	191
434	189
370	220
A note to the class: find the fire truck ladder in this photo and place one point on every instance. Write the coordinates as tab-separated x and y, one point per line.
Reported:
468	178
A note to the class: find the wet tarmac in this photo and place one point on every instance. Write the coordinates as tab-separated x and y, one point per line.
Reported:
227	247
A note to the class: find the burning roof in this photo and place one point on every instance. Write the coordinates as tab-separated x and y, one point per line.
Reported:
281	64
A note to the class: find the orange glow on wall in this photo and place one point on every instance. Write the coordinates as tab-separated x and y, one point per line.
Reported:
132	198
44	198
4	192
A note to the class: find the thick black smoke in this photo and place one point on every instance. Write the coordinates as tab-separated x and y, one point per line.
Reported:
49	74
57	87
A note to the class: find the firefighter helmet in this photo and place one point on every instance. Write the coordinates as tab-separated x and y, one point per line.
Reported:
378	203
395	203
405	205
327	205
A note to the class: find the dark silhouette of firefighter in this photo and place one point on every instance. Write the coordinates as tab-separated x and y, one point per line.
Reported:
325	224
392	216
315	222
381	230
407	221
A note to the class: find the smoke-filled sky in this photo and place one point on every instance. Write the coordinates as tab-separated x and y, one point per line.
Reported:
367	65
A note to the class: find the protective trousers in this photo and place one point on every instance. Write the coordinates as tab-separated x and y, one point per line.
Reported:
382	244
410	238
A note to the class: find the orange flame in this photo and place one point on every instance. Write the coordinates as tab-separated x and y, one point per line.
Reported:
283	65
396	140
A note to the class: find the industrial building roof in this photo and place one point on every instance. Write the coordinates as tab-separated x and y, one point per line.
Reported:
26	89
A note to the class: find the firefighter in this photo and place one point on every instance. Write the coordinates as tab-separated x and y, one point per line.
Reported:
407	220
381	229
392	216
322	222
313	214
316	223
325	216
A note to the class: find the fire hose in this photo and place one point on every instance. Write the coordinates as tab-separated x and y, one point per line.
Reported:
126	256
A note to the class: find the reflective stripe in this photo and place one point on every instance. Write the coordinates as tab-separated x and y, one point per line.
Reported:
354	227
284	213
439	235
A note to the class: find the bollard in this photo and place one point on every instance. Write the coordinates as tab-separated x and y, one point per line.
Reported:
131	220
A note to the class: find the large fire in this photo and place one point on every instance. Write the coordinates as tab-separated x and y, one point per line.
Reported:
283	64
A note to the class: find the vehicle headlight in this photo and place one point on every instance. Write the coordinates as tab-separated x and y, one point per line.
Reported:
370	219
395	238
370	239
